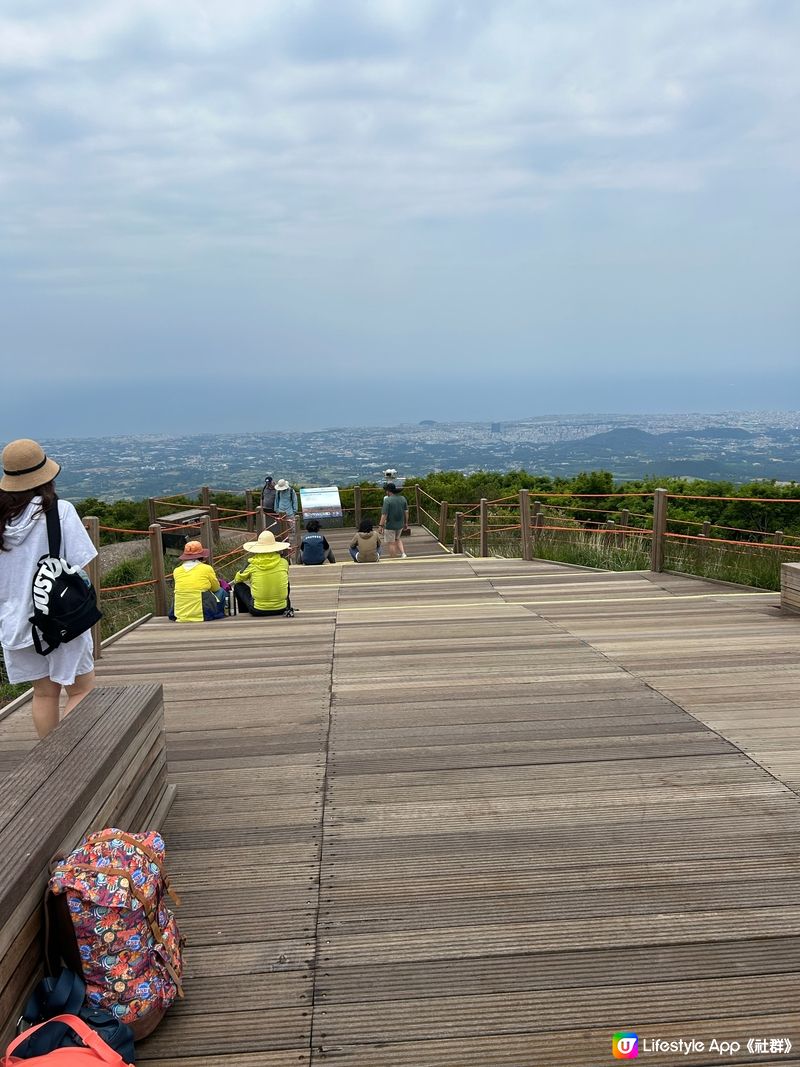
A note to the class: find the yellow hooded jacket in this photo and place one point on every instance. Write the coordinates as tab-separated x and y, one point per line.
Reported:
267	574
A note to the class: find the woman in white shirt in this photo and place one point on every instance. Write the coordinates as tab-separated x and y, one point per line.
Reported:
27	492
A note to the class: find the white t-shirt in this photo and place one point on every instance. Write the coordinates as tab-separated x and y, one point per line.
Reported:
26	540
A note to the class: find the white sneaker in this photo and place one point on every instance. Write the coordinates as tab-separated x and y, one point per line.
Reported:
403	555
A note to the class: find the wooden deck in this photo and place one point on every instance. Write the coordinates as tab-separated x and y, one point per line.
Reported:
479	813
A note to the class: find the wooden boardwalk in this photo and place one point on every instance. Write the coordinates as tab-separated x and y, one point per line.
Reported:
480	813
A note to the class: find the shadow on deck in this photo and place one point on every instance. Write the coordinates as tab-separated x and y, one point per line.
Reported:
479	813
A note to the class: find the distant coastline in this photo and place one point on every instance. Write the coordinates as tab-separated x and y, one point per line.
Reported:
729	446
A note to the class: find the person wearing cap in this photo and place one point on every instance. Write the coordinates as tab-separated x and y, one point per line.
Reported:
198	594
262	588
394	518
27	493
286	505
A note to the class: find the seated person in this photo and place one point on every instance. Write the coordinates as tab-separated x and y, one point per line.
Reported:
314	548
262	588
366	545
198	594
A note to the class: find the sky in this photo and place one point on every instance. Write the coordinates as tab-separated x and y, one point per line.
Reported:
291	214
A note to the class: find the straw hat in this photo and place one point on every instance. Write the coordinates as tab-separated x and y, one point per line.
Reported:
266	543
25	466
194	550
281	485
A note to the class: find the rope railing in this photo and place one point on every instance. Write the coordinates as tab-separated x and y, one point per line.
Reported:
743	545
558	519
732	529
735	499
128	585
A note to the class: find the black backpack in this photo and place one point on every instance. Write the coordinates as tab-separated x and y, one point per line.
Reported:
64	606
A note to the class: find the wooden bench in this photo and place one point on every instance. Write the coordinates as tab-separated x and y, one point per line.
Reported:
790	586
105	765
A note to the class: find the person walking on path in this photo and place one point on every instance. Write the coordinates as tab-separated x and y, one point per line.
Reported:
286	507
394	517
27	493
199	596
262	588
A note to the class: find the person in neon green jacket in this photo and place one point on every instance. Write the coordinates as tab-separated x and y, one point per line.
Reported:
262	588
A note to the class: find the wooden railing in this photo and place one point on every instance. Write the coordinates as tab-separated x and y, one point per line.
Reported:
613	524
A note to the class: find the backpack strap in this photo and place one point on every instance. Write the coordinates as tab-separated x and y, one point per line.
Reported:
54	551
62	1023
55	996
53	530
108	835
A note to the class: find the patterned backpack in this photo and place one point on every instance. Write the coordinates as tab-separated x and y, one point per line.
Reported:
107	902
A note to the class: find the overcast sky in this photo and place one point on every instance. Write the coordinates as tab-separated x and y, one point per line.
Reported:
296	213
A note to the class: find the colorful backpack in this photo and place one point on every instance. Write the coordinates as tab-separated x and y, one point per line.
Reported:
107	900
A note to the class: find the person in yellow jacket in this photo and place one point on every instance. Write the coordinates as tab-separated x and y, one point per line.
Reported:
262	588
198	595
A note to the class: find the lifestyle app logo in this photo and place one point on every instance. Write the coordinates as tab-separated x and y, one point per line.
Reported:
625	1045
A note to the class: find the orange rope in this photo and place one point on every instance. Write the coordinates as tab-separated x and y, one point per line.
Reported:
739	544
741	499
130	585
734	529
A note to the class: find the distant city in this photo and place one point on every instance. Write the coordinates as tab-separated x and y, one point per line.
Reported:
731	446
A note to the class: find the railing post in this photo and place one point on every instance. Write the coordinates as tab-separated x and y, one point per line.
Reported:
248	507
261	520
418	502
624	521
356	506
706	531
659	529
214	513
157	563
92	526
484	540
443	509
537	525
205	496
207	537
151	510
297	537
458	532
526	542
777	537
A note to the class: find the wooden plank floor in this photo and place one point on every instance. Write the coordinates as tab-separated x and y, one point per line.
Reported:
479	813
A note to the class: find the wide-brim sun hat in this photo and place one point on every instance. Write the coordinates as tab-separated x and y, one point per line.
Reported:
194	550
266	543
25	466
281	484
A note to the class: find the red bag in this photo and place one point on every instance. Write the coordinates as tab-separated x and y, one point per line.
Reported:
95	1053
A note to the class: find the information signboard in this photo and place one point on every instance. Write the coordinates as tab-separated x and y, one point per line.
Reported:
322	503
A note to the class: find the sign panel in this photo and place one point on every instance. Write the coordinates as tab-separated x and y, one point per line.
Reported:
322	503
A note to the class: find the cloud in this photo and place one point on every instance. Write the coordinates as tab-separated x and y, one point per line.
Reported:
379	111
431	172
